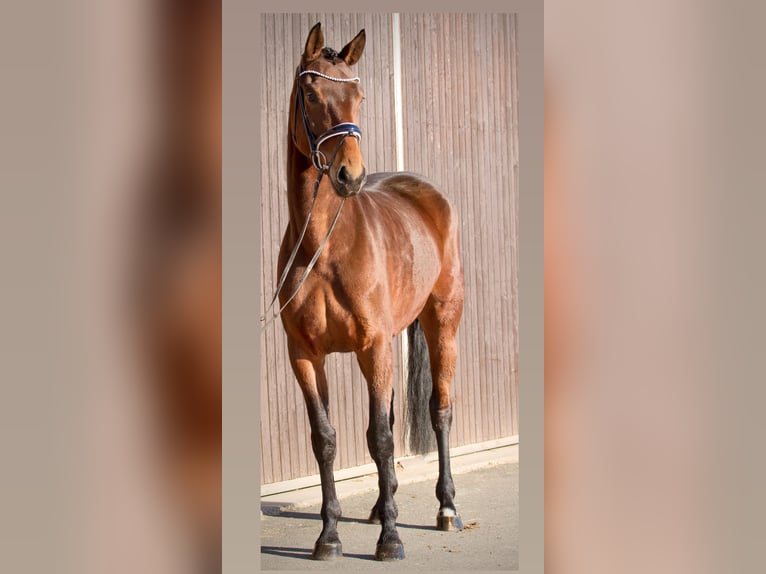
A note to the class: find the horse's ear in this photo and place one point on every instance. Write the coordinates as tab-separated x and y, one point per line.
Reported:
352	51
314	43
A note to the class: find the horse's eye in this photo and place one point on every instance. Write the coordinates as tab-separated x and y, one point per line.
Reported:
312	97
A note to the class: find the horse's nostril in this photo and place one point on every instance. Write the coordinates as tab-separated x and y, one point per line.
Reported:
343	175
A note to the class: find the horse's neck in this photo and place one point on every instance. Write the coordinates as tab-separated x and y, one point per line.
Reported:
301	180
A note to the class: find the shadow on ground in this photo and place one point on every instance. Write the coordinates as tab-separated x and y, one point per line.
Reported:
487	500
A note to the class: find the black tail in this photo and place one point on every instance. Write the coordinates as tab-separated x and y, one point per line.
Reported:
419	387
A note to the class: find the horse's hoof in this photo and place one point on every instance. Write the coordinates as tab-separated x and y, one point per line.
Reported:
327	551
449	523
390	551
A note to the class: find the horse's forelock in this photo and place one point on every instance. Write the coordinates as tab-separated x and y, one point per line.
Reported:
330	54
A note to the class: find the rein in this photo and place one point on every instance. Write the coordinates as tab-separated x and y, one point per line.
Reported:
319	161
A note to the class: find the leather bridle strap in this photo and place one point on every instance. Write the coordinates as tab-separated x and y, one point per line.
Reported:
309	267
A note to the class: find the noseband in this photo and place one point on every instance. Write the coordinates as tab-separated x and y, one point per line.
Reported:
319	161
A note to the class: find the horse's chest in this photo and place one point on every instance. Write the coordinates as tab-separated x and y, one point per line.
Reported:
335	314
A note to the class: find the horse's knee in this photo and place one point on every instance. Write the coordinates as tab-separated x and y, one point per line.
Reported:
323	442
380	440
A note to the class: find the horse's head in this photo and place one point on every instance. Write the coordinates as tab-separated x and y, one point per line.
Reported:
329	97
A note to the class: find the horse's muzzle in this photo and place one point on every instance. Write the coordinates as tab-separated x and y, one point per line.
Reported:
347	186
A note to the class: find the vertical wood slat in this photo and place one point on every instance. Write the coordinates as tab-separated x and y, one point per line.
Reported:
460	107
515	219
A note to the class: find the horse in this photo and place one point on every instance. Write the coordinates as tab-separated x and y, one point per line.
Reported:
363	257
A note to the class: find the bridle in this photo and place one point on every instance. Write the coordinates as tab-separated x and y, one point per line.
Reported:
345	129
319	161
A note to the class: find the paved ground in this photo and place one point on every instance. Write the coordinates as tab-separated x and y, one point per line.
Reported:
487	499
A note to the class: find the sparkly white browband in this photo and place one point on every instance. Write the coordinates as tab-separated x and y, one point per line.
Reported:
321	75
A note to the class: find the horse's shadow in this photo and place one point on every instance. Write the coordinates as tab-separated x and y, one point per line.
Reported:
286	552
273	510
305	553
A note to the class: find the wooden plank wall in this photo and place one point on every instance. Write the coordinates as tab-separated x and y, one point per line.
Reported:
459	89
459	101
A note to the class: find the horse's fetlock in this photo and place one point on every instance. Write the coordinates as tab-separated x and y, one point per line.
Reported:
332	510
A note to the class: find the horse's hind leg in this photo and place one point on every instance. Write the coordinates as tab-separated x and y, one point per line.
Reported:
376	363
439	321
311	378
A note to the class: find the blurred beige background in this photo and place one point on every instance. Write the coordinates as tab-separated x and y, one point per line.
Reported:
653	279
111	307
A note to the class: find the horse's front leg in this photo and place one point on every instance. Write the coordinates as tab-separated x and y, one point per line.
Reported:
311	378
376	363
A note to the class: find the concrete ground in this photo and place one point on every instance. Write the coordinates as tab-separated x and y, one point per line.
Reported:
487	500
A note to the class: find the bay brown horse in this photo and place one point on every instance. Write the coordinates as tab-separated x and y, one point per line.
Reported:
353	279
